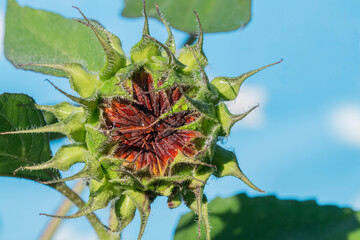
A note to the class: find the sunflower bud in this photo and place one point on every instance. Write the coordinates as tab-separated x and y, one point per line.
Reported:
145	127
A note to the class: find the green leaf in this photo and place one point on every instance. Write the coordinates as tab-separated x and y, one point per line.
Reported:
17	111
37	36
268	218
215	15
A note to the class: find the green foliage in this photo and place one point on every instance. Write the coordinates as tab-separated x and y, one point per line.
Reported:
216	15
47	37
17	112
268	218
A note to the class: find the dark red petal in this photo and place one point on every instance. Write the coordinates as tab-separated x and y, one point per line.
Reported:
144	140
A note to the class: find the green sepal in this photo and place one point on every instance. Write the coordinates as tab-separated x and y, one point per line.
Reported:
91	170
89	104
201	176
228	88
124	211
51	119
145	49
205	108
117	174
72	127
61	110
227	119
126	180
197	202
165	189
172	77
113	87
174	201
114	59
187	58
202	93
212	133
193	56
170	41
142	203
172	62
181	159
164	186
81	81
113	40
111	166
121	84
101	193
95	140
227	165
64	158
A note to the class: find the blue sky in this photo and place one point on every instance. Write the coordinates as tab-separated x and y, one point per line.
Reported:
303	142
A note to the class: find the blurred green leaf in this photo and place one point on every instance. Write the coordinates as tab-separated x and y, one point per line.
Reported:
39	36
17	112
268	218
215	15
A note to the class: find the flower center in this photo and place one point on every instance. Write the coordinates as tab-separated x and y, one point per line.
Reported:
146	132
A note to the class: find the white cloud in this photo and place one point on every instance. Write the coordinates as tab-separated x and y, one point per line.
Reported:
249	97
345	123
356	203
66	233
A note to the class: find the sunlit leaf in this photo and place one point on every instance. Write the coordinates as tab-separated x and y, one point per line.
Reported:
37	36
215	15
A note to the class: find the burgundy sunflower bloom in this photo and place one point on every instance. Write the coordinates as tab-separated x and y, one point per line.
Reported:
146	132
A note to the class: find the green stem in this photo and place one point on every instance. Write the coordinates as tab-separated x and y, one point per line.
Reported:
113	222
99	228
64	208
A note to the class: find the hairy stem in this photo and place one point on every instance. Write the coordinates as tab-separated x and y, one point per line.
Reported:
113	222
64	208
99	228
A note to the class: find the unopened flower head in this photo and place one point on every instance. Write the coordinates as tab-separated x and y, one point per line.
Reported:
145	126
